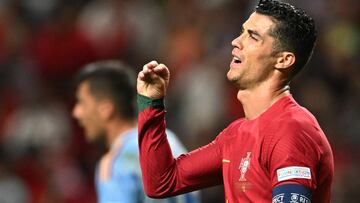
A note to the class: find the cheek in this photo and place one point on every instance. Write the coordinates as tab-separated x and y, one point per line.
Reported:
258	67
88	117
92	118
262	59
92	126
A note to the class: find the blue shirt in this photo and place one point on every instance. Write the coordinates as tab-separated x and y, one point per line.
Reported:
122	182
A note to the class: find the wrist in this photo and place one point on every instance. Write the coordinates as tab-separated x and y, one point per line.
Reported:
144	102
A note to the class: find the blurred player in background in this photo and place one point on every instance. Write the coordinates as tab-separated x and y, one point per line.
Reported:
106	108
278	152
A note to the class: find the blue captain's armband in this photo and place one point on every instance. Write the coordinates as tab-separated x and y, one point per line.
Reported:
291	193
144	102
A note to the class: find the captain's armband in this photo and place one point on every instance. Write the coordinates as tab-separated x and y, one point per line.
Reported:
291	193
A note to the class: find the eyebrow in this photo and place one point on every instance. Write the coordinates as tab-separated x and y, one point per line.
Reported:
253	32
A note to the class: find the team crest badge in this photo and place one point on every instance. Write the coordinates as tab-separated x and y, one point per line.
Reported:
244	166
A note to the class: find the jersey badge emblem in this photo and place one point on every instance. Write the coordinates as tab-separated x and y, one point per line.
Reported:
244	166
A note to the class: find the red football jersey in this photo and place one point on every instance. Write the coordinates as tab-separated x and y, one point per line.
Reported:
284	145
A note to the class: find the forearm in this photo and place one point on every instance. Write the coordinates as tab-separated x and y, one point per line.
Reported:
163	175
155	154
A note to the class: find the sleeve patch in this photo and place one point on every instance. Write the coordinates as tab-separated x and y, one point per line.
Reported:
293	172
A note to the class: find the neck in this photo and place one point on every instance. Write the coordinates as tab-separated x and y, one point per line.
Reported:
257	100
116	128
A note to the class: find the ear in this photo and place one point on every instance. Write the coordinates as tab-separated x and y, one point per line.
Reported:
284	60
106	109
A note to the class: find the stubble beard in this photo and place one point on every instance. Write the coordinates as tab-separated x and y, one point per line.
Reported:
237	81
93	137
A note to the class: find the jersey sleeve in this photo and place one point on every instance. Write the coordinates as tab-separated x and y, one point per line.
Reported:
294	155
163	174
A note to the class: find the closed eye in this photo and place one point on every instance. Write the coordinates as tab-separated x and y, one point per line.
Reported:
254	35
254	38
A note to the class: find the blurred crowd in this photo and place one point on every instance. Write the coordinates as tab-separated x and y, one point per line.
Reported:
43	43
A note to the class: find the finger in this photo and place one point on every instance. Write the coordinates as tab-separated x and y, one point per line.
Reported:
151	65
159	68
145	73
141	75
146	69
148	76
162	71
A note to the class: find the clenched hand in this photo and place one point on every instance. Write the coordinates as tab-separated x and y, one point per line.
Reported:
153	80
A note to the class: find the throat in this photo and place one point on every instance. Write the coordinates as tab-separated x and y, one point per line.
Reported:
257	102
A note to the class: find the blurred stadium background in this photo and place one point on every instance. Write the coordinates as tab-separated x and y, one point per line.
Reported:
43	155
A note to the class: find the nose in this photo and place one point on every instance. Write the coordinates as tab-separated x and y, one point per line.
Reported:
237	42
76	111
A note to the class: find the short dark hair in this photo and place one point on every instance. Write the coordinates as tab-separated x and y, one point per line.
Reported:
294	30
111	79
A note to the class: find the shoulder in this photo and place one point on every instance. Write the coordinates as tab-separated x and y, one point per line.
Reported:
294	121
130	143
294	131
287	114
232	129
300	122
126	157
296	134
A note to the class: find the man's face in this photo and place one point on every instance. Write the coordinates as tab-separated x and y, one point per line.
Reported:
252	53
87	112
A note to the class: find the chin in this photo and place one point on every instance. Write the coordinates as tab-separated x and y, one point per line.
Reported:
236	82
90	137
231	77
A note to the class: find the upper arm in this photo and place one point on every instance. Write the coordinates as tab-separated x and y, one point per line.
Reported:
294	157
201	166
291	193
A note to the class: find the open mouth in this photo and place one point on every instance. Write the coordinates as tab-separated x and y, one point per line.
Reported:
236	59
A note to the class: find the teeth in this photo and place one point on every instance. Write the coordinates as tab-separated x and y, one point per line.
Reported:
237	59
